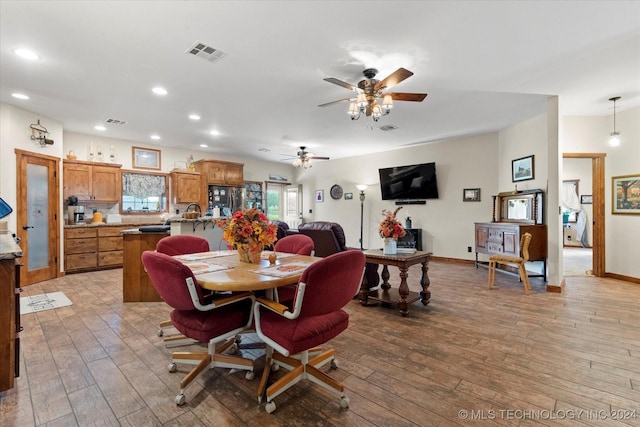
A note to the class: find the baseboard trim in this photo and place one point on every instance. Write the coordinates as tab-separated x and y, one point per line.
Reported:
622	277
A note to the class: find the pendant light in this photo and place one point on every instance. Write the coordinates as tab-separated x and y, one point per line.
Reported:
614	139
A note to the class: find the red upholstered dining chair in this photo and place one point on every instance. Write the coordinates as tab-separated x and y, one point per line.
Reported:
298	244
179	244
325	287
216	322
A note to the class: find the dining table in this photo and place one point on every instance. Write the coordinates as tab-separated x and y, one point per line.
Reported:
222	271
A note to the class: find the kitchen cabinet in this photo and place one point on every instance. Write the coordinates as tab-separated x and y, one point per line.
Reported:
218	172
110	246
92	181
186	187
80	248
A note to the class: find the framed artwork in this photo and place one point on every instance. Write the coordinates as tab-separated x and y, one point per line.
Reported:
319	196
625	193
145	158
586	199
348	196
522	169
471	195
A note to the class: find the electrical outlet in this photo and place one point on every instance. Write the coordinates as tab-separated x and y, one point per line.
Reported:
468	248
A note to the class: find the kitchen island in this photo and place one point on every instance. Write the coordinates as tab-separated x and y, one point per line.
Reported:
9	310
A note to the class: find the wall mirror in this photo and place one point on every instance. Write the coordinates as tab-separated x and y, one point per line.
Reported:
522	206
144	193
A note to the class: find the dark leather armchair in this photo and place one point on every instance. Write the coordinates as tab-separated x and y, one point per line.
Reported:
328	237
283	229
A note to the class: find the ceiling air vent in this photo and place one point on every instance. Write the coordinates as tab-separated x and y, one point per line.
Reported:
115	122
387	128
209	53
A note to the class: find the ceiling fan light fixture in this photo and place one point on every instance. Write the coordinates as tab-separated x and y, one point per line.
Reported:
361	100
614	137
387	102
354	111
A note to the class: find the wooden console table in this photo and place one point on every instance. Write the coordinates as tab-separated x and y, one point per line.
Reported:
400	297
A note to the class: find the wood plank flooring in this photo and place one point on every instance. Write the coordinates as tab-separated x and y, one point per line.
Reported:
472	357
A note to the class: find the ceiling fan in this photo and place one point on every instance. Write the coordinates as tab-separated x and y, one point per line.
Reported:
303	158
371	98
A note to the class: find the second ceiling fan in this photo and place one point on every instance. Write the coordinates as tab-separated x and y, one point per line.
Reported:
371	98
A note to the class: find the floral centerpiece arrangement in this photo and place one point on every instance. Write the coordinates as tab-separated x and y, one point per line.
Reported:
390	226
391	230
249	231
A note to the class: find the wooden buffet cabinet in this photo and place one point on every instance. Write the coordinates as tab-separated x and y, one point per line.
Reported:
94	181
9	311
518	213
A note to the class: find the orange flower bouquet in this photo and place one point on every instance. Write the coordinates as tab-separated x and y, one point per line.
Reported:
249	231
390	227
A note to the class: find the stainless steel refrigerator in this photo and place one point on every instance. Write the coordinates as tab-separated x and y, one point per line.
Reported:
228	199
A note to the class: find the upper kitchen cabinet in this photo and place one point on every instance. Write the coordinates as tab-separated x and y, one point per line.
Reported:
100	182
186	186
218	172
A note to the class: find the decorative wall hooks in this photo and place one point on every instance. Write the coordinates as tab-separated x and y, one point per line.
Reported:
42	134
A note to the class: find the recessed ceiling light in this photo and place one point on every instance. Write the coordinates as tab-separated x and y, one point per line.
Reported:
214	132
203	145
155	137
194	117
26	54
99	127
20	95
159	90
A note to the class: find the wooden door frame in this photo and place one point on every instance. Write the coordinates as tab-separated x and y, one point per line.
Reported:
54	206
597	189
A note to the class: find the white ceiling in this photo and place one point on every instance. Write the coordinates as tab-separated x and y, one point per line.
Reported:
484	64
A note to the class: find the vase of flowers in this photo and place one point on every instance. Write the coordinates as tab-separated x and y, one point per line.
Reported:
391	230
249	232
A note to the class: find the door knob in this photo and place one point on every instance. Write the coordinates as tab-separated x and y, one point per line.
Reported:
25	227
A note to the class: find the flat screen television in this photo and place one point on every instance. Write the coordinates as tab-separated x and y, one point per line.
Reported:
409	182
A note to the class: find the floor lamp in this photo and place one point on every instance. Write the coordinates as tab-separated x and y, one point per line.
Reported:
361	187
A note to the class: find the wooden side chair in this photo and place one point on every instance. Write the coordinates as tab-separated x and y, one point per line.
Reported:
519	261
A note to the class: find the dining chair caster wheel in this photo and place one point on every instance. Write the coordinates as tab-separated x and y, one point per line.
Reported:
238	338
274	368
172	367
250	375
270	407
334	364
344	402
160	332
180	399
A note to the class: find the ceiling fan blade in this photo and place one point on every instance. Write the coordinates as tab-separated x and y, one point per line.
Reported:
340	83
402	96
336	102
393	79
317	158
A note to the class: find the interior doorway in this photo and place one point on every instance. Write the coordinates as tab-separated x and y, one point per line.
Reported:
598	229
38	215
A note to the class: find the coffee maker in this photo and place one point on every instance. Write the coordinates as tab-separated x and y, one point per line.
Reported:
78	215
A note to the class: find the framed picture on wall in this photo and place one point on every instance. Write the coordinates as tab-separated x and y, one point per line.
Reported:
522	169
586	199
145	158
471	195
319	196
625	193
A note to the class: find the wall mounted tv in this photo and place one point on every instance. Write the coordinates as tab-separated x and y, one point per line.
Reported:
409	182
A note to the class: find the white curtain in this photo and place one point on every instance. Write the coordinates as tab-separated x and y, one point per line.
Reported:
570	201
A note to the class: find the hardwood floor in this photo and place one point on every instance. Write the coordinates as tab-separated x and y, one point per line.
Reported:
472	357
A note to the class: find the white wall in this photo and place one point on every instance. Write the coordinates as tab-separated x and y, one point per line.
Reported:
591	135
447	222
15	133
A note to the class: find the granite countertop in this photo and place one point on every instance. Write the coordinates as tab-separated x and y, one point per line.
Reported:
9	249
201	219
113	224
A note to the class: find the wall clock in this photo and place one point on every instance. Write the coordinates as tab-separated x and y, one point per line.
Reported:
336	192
